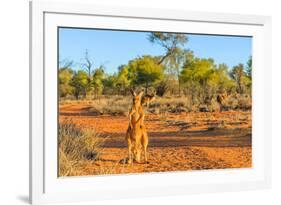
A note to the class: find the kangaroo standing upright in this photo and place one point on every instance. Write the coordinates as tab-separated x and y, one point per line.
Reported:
136	135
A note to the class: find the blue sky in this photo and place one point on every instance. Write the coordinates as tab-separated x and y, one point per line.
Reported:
114	48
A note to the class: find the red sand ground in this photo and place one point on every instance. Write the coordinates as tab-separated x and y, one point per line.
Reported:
186	141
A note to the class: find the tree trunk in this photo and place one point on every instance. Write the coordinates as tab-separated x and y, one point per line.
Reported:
163	58
76	95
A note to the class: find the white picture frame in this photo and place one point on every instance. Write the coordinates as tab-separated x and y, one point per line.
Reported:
46	187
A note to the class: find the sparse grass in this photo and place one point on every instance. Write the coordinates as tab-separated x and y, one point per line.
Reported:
115	105
244	103
170	104
119	105
75	146
238	102
184	104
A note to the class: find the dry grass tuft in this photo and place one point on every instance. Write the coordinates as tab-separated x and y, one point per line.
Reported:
184	104
238	102
119	105
113	105
172	105
75	146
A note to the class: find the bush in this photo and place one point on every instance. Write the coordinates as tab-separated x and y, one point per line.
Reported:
238	102
76	145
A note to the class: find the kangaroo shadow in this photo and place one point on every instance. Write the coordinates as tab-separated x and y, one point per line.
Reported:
206	138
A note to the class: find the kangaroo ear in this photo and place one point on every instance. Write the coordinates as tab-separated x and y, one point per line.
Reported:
153	98
140	94
133	92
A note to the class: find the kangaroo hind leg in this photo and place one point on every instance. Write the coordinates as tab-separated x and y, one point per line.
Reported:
144	146
130	157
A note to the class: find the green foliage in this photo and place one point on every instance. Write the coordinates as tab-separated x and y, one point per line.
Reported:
202	79
145	71
109	84
97	80
123	79
65	76
249	67
199	70
80	83
224	83
240	77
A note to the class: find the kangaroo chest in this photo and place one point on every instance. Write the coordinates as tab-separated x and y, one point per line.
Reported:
135	116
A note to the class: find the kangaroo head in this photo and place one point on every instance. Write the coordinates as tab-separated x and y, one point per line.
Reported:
146	99
136	98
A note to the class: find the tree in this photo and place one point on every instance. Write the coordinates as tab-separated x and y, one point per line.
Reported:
172	43
162	88
123	79
145	71
240	78
87	65
201	79
97	80
174	52
225	83
65	76
249	67
109	84
80	83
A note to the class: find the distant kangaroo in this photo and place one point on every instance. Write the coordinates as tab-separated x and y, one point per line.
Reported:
136	135
146	99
